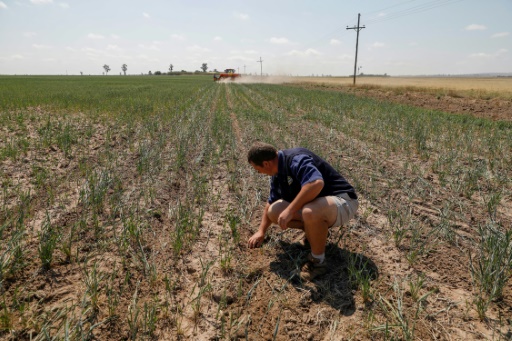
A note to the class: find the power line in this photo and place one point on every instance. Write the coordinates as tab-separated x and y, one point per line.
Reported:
327	35
358	28
390	16
412	10
386	8
261	66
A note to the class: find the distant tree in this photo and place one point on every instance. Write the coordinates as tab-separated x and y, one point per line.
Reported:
158	73
149	73
204	67
171	67
81	73
124	68
107	68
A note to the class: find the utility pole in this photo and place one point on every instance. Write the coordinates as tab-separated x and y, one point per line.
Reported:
358	28
261	66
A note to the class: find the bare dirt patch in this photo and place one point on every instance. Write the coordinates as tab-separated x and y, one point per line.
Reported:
496	109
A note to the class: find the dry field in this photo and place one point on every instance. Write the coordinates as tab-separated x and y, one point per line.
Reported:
498	85
483	97
127	203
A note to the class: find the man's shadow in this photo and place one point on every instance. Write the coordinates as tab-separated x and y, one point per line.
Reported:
347	272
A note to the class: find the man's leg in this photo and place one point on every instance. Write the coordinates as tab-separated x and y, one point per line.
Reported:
318	216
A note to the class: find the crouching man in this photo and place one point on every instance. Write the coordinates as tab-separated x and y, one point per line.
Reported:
306	193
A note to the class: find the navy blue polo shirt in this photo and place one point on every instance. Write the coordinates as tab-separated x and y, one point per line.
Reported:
299	166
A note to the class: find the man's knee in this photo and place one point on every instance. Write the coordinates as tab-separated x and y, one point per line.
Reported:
318	210
275	210
308	213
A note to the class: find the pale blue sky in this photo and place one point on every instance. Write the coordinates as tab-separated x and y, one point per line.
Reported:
298	37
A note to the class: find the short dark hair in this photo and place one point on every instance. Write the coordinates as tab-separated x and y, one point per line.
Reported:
260	152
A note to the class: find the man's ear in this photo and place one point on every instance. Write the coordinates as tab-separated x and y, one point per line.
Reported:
265	164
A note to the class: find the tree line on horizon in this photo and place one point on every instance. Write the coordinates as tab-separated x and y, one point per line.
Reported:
124	68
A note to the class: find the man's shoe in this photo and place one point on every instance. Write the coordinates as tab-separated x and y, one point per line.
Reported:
313	269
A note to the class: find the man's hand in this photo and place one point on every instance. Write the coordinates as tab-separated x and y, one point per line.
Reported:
284	218
256	240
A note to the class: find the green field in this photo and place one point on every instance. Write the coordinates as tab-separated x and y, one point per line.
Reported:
127	202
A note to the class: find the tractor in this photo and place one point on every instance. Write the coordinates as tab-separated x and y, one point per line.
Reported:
227	74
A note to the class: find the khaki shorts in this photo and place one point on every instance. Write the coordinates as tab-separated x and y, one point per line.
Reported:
347	208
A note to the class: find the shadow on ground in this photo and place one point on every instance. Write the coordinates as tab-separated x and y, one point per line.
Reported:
347	270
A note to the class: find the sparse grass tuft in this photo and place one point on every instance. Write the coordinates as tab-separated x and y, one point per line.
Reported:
48	239
491	269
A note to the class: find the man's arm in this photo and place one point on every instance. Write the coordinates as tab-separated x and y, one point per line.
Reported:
307	193
257	238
